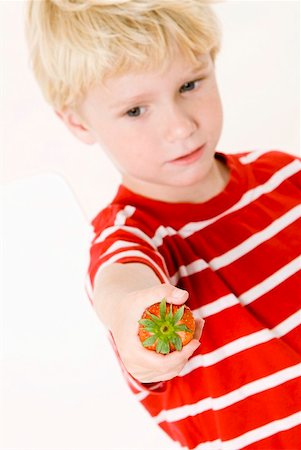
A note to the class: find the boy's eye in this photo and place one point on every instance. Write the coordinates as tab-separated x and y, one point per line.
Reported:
189	86
134	112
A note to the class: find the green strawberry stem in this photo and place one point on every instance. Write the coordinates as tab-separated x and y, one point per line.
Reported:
164	329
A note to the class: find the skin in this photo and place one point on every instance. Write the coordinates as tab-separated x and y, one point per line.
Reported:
160	128
147	121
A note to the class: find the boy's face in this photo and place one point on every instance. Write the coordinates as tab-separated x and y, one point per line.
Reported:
160	128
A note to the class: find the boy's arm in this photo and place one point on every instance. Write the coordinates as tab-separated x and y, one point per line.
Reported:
114	282
121	294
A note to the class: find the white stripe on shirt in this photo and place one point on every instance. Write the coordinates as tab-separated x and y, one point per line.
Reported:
190	269
249	296
256	239
252	156
124	214
131	230
229	399
216	306
250	196
271	282
134	254
117	245
254	435
241	344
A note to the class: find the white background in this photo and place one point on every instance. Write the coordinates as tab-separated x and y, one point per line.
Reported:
61	387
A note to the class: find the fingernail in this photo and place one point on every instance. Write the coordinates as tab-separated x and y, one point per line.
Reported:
178	293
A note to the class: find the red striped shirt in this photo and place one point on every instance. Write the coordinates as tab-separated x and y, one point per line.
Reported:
238	256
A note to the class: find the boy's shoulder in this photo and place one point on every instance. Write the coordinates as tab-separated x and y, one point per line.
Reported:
261	158
113	214
126	213
258	163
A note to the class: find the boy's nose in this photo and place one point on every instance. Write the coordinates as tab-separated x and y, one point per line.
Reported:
179	125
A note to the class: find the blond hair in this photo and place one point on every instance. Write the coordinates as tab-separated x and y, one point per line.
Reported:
74	44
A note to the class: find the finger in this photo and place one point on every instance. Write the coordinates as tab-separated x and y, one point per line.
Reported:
199	325
177	296
154	367
190	348
178	358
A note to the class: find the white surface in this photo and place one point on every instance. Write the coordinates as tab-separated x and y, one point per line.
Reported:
61	387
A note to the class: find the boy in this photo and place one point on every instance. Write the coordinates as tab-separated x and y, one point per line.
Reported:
188	223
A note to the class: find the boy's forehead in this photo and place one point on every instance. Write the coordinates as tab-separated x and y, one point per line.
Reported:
179	67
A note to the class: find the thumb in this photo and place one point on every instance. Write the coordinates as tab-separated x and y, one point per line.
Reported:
156	293
176	295
171	293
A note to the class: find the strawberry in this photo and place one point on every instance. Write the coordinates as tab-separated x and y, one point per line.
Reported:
165	328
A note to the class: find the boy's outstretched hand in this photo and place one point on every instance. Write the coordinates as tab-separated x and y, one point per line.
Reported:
144	365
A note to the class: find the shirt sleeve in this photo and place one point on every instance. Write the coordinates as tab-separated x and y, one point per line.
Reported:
120	239
124	245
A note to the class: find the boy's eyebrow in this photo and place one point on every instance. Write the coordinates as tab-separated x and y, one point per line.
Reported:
135	99
203	65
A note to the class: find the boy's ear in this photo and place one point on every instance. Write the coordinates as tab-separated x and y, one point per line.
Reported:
76	125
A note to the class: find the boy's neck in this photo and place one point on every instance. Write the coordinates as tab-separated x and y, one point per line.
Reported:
208	188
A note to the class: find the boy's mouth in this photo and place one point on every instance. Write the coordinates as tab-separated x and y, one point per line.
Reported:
190	157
